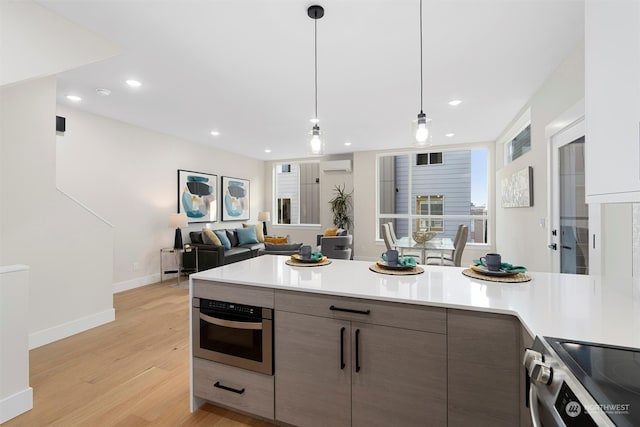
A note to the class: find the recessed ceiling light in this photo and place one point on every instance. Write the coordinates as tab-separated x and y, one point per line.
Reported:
314	120
133	83
74	98
103	92
267	150
215	133
449	135
348	143
455	102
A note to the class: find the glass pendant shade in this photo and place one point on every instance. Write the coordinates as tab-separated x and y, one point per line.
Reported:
422	130
316	145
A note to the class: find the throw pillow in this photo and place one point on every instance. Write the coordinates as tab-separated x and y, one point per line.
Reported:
233	237
222	235
196	237
259	231
276	240
246	235
210	238
330	232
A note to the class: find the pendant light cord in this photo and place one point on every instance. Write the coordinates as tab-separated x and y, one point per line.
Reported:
315	55
421	90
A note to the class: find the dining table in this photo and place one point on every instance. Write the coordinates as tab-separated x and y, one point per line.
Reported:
436	244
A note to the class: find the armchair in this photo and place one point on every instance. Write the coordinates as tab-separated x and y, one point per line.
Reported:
336	247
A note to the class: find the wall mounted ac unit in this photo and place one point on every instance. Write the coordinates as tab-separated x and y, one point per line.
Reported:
336	166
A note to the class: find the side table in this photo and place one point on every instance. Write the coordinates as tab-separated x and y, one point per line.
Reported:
179	267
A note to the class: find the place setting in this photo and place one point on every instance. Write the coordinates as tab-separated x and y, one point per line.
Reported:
491	268
396	265
306	258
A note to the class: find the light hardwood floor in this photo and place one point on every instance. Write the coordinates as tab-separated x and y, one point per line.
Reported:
131	372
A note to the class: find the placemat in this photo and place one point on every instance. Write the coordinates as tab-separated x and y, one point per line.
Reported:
407	272
295	263
516	278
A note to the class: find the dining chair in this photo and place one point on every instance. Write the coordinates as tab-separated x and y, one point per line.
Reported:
456	242
457	252
392	231
390	242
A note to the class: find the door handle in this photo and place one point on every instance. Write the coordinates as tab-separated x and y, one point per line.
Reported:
566	247
224	387
357	350
349	310
553	246
342	364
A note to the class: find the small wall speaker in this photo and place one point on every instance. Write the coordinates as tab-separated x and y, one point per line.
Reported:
61	124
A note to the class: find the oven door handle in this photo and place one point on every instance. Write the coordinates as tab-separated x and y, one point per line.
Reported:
533	407
231	323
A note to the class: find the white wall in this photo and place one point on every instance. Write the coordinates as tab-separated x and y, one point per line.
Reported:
68	249
16	396
128	175
519	237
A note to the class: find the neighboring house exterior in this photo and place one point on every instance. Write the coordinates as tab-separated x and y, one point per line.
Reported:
440	186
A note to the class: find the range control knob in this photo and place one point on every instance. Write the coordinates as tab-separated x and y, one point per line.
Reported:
541	372
530	356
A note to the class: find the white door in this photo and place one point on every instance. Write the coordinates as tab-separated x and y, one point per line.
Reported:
575	226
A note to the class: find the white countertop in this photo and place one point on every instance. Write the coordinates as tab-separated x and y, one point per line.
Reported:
587	308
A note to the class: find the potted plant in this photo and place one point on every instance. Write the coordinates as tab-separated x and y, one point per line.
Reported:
341	207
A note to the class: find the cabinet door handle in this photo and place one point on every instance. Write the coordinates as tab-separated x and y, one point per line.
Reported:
342	364
224	387
357	350
349	310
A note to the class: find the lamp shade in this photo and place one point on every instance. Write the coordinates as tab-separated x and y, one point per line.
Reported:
177	220
264	216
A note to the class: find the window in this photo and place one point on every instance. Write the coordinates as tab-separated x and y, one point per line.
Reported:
427	206
438	199
429	159
518	145
297	193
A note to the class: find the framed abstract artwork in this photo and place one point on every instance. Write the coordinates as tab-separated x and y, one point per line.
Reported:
235	199
197	196
517	189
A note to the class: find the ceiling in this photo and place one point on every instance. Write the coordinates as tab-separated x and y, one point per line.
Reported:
246	68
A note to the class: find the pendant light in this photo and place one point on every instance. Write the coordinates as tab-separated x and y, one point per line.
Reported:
422	123
316	145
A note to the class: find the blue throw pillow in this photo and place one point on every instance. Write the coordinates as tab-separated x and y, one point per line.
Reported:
246	235
222	235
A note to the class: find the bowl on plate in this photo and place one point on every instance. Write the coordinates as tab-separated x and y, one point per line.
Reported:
423	236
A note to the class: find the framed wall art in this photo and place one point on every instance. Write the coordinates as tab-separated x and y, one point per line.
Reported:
235	199
197	196
517	189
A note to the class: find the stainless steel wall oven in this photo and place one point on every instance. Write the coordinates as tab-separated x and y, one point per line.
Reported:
234	334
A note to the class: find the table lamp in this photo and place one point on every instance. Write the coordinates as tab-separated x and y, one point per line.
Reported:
264	216
178	221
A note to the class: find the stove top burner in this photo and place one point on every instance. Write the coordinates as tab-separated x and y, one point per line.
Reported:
610	374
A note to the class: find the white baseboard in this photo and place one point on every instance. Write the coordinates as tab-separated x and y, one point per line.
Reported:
16	404
73	327
135	283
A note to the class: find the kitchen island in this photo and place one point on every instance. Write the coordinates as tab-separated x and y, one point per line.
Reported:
472	331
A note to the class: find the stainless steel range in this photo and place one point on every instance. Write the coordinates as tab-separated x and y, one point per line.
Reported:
574	383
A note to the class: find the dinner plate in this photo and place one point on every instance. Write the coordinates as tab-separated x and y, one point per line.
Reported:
297	257
483	270
394	267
